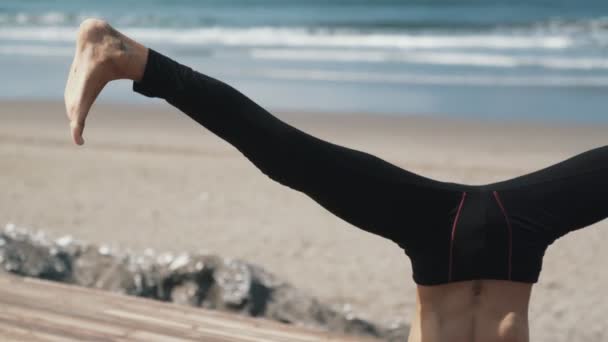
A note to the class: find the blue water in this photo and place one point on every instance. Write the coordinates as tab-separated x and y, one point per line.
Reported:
503	59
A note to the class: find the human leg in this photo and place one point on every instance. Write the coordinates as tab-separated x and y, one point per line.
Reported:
362	189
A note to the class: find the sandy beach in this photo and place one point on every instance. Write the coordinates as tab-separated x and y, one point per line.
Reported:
149	177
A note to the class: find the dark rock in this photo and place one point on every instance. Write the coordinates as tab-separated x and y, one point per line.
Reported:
396	333
174	271
145	274
232	283
186	293
96	267
199	280
21	256
239	287
292	306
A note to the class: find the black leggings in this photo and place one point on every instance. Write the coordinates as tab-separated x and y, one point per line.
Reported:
451	232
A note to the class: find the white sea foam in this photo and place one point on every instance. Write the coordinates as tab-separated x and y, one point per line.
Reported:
44	19
38	34
433	79
36	50
301	37
51	18
299	44
436	58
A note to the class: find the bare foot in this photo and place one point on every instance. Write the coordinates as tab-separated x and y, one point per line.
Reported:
102	55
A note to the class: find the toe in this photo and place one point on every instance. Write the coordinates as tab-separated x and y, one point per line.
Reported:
77	129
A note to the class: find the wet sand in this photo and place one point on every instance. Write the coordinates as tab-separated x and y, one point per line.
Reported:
149	177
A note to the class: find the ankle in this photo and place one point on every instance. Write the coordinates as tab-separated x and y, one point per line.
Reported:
136	60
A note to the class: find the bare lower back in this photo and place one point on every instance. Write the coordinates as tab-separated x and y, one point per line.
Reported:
472	311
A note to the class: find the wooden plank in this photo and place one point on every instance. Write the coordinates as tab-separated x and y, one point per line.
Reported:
11	332
33	310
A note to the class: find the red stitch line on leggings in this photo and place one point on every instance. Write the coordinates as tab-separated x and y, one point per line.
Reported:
464	195
504	212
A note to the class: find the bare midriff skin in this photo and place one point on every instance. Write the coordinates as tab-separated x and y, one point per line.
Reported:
470	311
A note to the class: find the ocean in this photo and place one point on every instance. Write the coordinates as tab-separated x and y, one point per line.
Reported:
491	59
